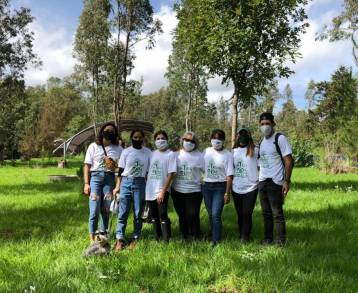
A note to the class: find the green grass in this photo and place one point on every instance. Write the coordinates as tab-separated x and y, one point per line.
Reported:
43	231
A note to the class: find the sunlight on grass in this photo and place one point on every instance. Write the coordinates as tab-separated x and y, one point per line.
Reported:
43	232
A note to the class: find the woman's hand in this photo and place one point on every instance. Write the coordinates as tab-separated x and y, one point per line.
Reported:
226	198
87	189
115	191
160	197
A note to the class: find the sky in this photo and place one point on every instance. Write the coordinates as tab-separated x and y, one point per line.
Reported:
56	22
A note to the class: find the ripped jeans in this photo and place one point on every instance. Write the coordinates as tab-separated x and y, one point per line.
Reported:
102	185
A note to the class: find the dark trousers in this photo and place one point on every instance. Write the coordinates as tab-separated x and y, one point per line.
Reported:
187	206
244	205
271	199
159	214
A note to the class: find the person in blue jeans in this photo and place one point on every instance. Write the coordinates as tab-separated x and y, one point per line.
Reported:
100	164
133	168
219	170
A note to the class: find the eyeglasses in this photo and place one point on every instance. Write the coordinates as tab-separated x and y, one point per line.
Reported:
188	140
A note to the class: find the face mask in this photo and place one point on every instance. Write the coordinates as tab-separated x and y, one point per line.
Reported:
243	140
217	144
109	135
266	130
188	146
137	144
161	144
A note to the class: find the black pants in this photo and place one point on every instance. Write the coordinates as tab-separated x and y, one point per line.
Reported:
244	205
187	206
159	214
271	198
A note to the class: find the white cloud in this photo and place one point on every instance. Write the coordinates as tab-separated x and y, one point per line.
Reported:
151	64
55	51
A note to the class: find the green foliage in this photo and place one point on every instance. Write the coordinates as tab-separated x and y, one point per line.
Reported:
43	232
302	153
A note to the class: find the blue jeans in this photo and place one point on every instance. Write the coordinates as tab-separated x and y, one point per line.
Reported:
213	193
102	184
132	189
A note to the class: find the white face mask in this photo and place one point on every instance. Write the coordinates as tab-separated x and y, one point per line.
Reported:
266	130
188	146
217	144
161	144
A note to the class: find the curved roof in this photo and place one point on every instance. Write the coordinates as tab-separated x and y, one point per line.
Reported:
73	143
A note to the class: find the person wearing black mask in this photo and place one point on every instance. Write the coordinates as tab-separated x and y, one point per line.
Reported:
133	168
100	164
245	183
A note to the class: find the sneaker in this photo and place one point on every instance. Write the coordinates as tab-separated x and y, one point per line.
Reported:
132	244
266	242
119	245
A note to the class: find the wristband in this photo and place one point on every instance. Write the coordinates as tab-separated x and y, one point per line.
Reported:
227	194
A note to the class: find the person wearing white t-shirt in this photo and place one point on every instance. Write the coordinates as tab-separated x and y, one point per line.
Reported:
276	163
186	188
100	164
162	169
133	168
246	180
219	170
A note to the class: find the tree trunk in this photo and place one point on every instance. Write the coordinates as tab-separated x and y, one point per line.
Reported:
234	118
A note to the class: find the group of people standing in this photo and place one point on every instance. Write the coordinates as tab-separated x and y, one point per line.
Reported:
189	176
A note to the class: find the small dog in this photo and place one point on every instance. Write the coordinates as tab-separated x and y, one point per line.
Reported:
99	247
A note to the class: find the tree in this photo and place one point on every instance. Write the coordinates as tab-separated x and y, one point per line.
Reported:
187	82
245	42
132	19
90	48
343	27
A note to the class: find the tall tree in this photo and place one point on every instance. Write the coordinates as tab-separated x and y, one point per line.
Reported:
344	26
245	42
187	82
90	48
132	21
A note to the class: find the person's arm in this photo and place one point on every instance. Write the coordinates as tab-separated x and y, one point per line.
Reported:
86	179
168	181
228	189
288	161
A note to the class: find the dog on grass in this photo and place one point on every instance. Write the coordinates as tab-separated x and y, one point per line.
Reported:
99	247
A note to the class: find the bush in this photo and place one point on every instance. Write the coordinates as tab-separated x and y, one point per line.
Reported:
302	153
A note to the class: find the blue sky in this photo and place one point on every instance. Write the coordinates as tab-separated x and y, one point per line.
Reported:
56	23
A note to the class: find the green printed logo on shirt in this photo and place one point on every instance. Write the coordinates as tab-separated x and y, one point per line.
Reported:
240	169
137	169
212	170
156	171
264	160
185	172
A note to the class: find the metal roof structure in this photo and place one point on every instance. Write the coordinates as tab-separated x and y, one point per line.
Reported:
76	141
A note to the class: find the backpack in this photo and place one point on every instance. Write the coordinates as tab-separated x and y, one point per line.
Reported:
278	150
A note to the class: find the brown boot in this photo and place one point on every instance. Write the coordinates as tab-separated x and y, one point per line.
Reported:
119	245
132	244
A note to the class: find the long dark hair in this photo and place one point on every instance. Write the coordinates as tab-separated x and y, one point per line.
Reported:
250	147
99	139
137	130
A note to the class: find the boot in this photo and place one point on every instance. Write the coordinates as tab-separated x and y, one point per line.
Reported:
166	230
157	230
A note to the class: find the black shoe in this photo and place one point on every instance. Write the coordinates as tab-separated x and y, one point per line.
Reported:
266	242
214	244
280	243
157	230
244	240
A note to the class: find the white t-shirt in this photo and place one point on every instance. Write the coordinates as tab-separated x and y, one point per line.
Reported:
270	161
246	175
189	165
135	162
95	156
161	164
218	165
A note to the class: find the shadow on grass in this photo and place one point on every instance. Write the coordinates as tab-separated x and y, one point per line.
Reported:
330	185
38	188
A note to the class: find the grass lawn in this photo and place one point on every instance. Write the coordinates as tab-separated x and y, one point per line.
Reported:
43	231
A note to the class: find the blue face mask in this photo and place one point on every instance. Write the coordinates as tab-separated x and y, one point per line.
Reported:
161	144
217	144
188	146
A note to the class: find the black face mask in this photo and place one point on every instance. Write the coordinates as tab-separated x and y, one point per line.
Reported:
243	140
109	135
137	144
